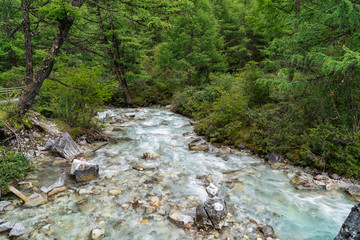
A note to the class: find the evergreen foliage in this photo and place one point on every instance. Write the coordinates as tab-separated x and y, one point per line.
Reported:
274	75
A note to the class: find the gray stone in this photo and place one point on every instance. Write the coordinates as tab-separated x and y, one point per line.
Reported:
4	204
59	183
35	200
268	231
273	157
6	226
84	171
350	230
335	176
36	135
216	210
18	230
65	146
354	190
212	190
2	221
202	220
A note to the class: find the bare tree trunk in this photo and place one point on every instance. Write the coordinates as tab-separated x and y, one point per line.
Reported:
28	44
32	89
118	69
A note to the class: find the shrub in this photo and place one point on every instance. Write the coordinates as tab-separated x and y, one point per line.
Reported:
75	106
13	166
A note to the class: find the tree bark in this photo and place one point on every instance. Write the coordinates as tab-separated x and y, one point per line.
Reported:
32	89
118	68
28	44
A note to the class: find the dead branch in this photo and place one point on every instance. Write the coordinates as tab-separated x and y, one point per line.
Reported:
18	140
73	87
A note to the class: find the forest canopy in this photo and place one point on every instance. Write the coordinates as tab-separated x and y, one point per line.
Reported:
273	75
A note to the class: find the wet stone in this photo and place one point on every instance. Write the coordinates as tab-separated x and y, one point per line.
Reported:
350	230
3	205
84	171
202	220
268	231
6	226
212	190
18	230
97	234
35	200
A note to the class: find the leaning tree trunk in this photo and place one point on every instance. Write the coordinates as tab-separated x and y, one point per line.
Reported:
32	88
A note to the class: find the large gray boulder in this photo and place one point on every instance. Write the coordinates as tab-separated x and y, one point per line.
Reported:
211	213
350	230
65	146
84	171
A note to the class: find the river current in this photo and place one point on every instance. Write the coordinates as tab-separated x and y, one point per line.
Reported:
251	189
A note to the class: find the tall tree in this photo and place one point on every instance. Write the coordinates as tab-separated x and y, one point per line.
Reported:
64	15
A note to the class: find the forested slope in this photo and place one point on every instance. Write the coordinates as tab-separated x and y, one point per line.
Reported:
276	76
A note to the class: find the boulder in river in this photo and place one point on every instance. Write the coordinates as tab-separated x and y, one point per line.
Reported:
65	146
18	230
84	171
268	231
4	204
150	155
181	220
6	226
212	190
211	213
197	145
35	200
350	230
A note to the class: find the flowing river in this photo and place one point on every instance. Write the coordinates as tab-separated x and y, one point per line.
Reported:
251	189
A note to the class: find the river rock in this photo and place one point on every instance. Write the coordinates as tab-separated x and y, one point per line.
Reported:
18	230
273	158
84	171
6	226
216	210
59	183
35	200
202	220
350	230
180	220
65	146
303	182
268	231
212	190
224	150
354	190
199	147
97	234
150	155
114	192
4	204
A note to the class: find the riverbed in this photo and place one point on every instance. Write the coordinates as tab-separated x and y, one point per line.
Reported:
152	190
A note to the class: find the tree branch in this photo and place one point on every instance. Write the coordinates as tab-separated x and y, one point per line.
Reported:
73	87
105	8
43	27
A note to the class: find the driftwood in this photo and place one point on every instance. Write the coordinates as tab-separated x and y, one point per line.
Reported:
18	193
18	139
101	146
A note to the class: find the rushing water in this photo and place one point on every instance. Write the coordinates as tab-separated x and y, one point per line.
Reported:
250	189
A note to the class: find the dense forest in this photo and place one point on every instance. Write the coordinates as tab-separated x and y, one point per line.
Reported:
273	75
